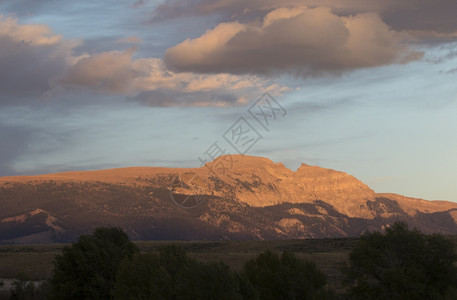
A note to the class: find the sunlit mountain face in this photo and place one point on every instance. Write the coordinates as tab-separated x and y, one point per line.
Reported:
249	198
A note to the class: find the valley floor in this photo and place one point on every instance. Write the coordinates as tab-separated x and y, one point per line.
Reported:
37	260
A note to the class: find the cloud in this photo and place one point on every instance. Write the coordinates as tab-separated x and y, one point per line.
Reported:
106	71
35	62
423	16
301	41
220	68
229	9
149	81
31	56
410	15
35	35
162	87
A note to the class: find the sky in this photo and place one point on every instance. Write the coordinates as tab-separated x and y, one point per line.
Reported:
367	87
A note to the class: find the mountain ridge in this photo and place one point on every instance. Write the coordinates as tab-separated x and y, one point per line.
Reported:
250	198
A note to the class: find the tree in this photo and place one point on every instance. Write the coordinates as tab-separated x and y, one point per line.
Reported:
173	275
211	281
87	268
142	278
285	277
401	264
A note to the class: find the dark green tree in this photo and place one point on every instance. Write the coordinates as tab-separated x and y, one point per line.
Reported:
87	268
142	278
171	274
210	281
285	277
402	264
177	265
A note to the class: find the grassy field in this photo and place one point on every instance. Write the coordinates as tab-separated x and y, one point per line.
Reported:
37	260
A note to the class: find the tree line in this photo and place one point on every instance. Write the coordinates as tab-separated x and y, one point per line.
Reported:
400	263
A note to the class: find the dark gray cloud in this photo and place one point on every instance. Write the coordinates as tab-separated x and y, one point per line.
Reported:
31	57
423	15
27	69
412	15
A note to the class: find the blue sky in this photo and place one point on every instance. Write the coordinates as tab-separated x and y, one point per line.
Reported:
369	89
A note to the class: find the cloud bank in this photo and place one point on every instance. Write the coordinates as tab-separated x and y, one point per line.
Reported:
35	62
256	43
301	41
413	15
149	81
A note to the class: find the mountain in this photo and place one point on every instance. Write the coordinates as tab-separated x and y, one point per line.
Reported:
233	197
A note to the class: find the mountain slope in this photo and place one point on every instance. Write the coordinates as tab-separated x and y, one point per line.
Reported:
251	198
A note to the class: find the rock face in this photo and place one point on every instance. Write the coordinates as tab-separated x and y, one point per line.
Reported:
260	182
234	197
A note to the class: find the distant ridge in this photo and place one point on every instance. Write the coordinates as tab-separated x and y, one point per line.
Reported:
245	197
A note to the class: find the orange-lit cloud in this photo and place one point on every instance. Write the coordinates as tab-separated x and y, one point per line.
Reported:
148	80
37	35
107	71
301	41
